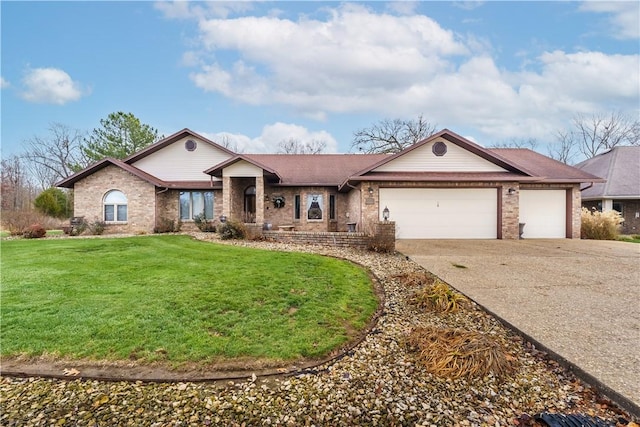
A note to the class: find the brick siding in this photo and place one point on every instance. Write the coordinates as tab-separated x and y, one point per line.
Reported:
141	208
354	240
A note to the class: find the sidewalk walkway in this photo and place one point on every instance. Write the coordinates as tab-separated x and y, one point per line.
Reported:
578	298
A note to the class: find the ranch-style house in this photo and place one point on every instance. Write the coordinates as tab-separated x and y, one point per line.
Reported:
444	187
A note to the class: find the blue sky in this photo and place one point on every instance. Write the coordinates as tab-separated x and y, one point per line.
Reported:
257	73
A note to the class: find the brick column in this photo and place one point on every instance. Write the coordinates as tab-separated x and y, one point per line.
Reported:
510	211
260	200
384	237
226	196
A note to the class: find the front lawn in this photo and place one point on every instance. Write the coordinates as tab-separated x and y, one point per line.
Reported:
172	298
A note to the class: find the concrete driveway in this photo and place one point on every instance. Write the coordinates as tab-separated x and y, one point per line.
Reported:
579	298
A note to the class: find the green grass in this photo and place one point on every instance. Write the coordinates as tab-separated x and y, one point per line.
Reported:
631	239
172	298
54	233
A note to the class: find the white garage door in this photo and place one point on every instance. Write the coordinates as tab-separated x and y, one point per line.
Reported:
544	213
438	213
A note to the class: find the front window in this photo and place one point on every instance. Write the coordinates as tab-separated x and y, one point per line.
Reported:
194	203
332	206
296	207
115	206
314	207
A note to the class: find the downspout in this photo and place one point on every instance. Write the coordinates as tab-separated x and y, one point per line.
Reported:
587	187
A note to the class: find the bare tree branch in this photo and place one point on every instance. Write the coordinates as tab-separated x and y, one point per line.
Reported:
295	146
601	132
530	143
392	135
17	190
56	156
564	150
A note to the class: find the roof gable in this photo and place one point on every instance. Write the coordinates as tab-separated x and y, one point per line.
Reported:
183	157
424	159
183	134
482	159
71	180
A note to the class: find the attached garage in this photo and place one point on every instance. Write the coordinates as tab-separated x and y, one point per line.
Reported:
442	213
544	213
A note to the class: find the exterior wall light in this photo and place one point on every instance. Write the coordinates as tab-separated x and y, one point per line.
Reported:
370	190
385	213
511	191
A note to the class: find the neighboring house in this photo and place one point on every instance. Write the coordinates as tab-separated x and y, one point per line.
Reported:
442	187
621	192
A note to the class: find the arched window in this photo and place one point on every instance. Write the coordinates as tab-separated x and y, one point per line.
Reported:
115	206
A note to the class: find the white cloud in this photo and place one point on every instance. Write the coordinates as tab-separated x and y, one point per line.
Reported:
200	9
50	86
315	66
623	16
360	61
402	7
4	83
271	136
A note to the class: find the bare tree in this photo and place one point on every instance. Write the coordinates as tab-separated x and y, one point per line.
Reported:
295	146
56	156
17	190
392	135
227	142
530	143
601	132
564	150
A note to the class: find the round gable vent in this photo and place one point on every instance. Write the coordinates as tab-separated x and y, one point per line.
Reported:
190	145
439	149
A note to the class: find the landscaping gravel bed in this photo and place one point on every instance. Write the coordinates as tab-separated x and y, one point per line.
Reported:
376	383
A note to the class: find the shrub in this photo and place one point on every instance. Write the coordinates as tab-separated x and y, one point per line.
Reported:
79	228
455	353
166	225
204	224
34	231
440	297
53	202
97	227
232	230
17	222
600	225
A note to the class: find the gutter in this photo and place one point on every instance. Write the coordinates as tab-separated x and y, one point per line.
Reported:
587	187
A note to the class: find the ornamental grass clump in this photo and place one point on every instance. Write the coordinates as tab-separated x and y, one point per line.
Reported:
439	297
454	353
416	278
598	225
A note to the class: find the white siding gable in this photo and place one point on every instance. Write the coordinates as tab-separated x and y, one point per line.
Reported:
242	168
175	163
422	159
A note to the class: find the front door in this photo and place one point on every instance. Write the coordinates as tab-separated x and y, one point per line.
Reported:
250	204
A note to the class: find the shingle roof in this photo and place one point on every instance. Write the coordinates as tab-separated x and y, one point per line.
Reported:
621	167
307	169
548	169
